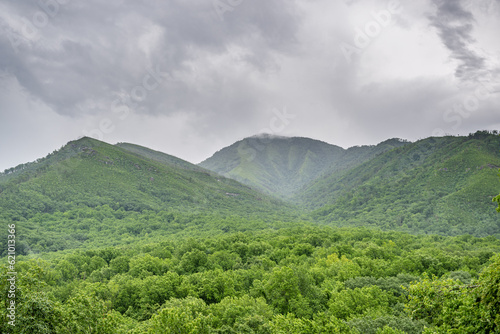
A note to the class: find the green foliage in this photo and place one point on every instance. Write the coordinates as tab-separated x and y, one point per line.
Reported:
445	304
29	303
497	199
283	293
452	307
295	280
241	315
359	302
389	330
399	323
186	316
489	295
86	314
447	190
321	324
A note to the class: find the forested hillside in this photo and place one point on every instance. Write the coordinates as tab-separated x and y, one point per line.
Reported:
282	166
90	193
441	185
160	157
436	185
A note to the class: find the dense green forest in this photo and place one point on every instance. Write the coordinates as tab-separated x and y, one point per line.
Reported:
396	238
291	280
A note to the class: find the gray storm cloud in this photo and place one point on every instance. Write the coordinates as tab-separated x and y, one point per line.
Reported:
455	26
87	54
189	76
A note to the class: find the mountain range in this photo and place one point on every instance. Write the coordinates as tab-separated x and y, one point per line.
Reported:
442	185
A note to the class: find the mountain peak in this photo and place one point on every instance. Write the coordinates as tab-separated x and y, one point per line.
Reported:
284	165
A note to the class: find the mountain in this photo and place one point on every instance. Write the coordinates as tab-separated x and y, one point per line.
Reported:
124	239
161	157
283	166
91	173
439	185
91	194
436	185
91	191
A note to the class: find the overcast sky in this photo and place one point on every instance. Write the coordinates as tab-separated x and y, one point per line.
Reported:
188	77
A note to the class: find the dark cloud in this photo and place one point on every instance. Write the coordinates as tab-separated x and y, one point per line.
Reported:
95	51
455	26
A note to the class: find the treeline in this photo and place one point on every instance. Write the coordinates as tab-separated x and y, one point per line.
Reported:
483	134
292	280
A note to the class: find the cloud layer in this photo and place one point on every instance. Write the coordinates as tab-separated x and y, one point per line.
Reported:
187	77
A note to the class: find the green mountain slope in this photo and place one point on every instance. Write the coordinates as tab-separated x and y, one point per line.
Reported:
90	194
90	191
436	185
97	173
283	166
164	158
164	246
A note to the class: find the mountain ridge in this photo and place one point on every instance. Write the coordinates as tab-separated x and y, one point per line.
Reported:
283	165
146	179
91	193
160	156
439	185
